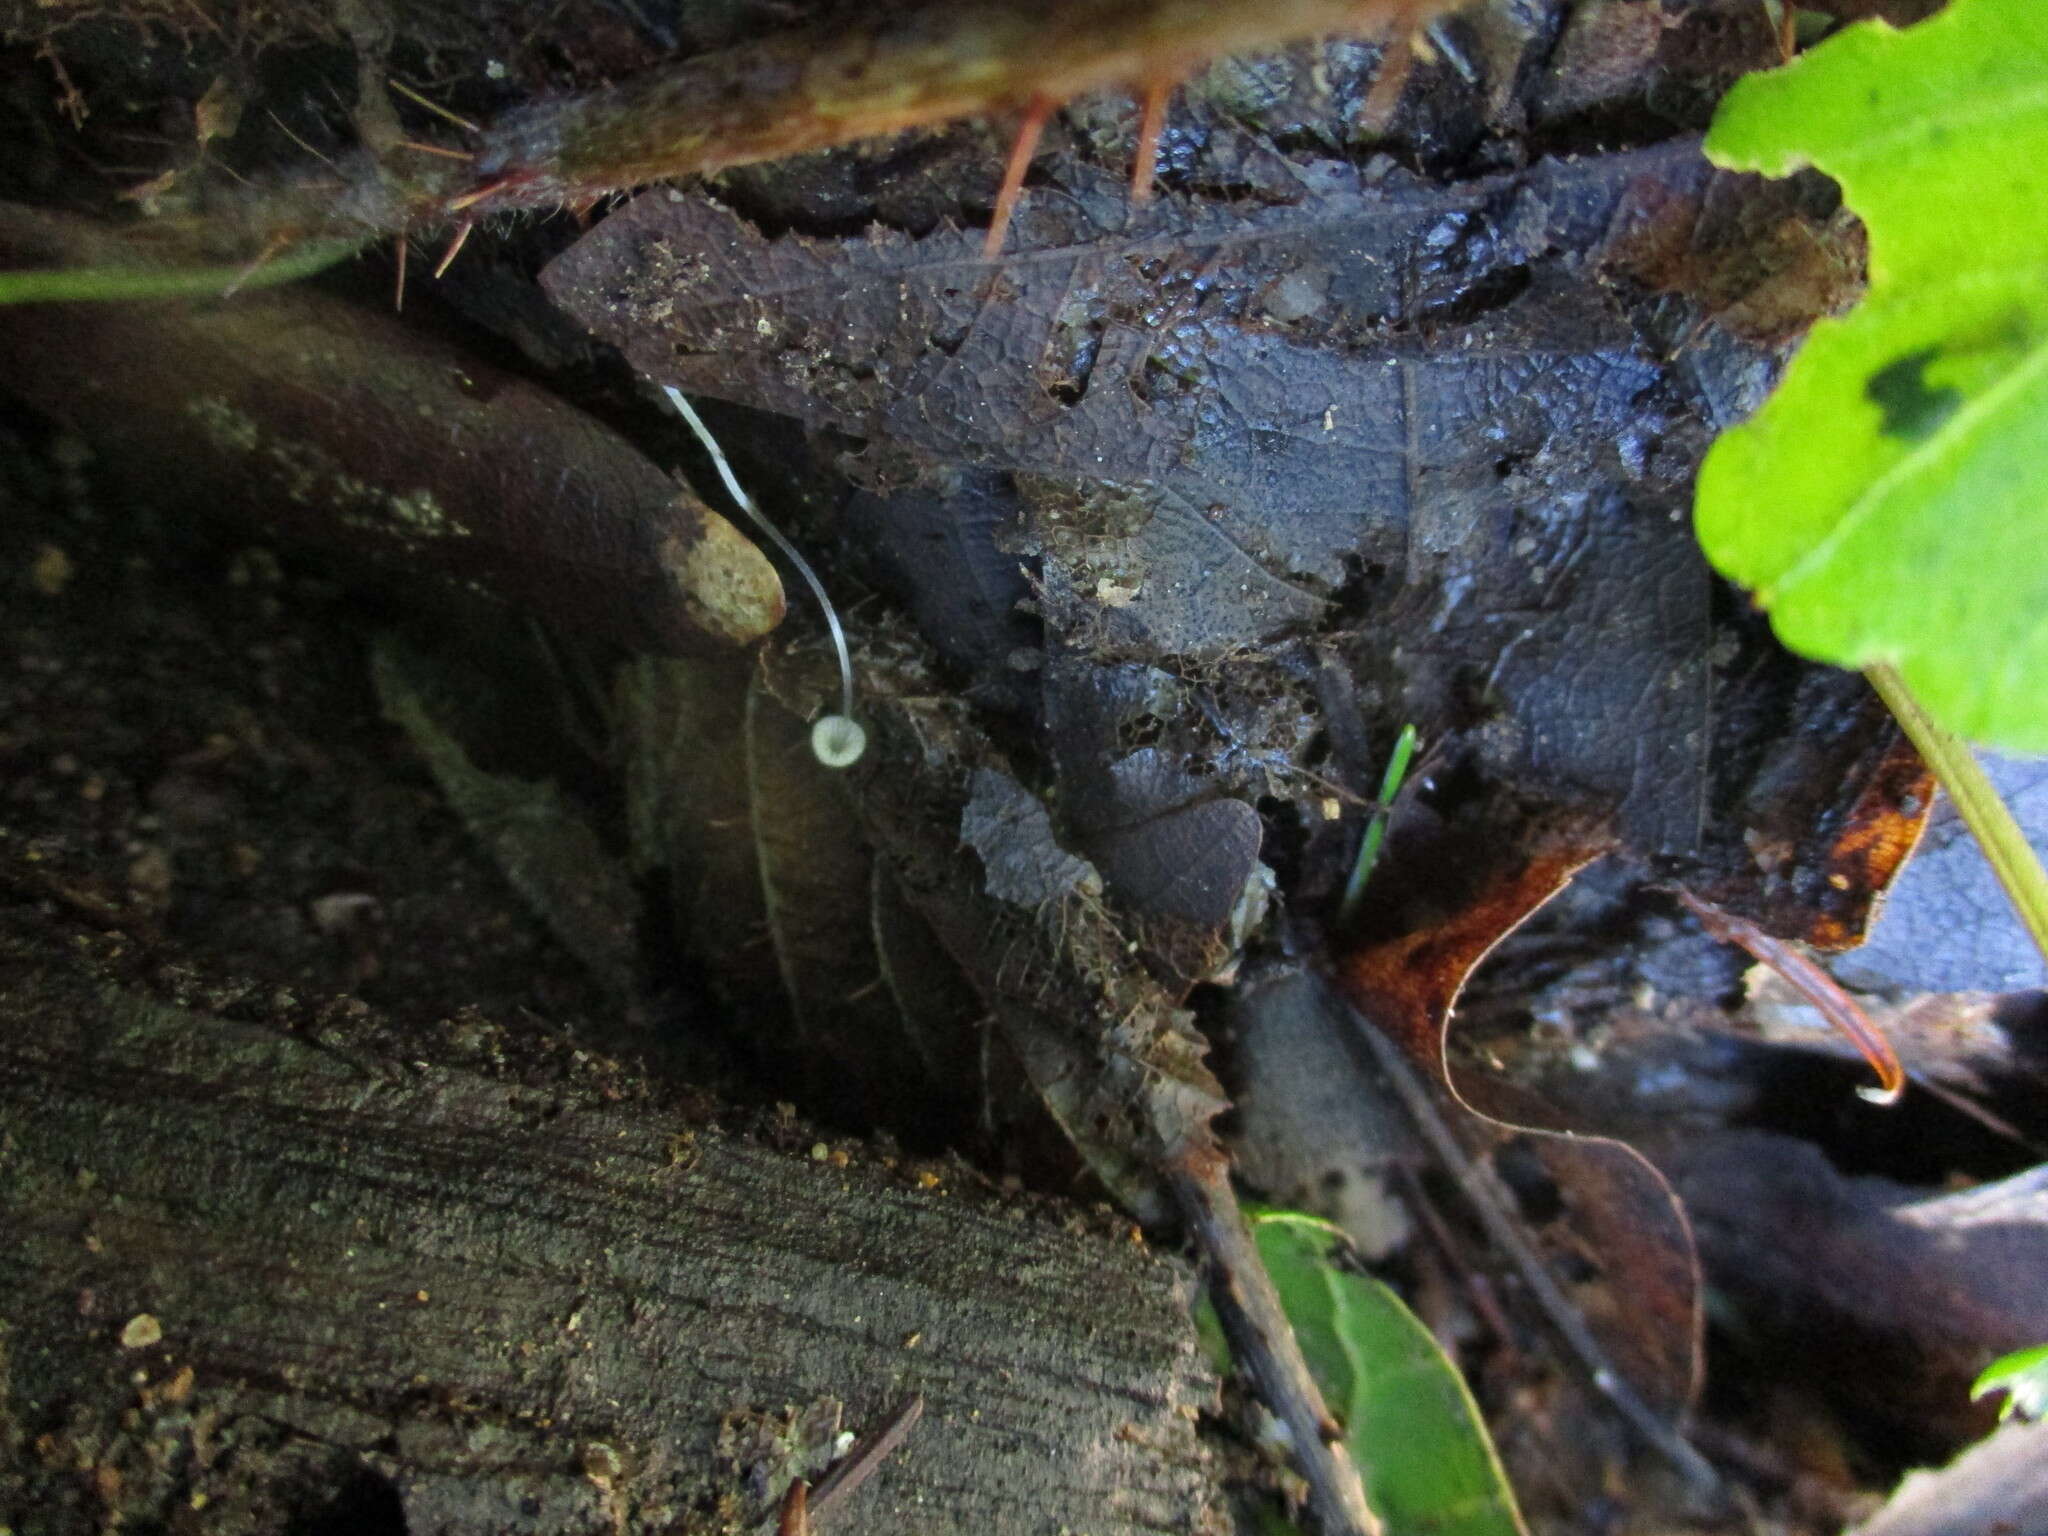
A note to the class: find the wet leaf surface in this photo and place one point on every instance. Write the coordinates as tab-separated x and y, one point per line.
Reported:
1191	507
1387	411
1280	476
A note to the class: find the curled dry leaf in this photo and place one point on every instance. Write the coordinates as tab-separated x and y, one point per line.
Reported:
1632	1225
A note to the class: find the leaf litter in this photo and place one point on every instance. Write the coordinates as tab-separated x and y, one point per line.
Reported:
1439	437
1165	406
1153	404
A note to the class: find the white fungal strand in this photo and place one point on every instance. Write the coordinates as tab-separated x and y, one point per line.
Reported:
836	740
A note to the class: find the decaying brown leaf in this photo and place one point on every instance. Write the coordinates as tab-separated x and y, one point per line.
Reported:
1632	1226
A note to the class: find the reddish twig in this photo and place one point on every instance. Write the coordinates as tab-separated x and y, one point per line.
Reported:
1815	985
868	1453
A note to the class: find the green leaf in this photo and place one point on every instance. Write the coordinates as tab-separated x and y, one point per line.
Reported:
1890	502
2023	1377
1411	1425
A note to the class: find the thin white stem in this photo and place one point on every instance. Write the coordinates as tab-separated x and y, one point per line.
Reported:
789	550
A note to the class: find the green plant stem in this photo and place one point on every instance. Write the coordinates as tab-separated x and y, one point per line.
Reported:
66	285
1983	812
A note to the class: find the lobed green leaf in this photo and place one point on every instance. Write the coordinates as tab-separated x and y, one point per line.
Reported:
1890	501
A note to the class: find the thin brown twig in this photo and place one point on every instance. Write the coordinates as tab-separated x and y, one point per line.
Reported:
868	1453
1263	1344
1151	122
435	149
1968	1107
1490	1205
847	1474
1477	1289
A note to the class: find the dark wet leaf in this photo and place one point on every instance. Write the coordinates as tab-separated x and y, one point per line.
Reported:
1189	865
1389	409
1414	423
968	1067
815	877
776	891
947	555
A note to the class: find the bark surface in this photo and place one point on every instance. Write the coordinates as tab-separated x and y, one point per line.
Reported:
256	1280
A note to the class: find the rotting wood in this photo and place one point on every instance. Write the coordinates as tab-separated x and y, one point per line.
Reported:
253	1274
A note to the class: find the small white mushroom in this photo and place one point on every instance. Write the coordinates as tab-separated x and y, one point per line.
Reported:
837	741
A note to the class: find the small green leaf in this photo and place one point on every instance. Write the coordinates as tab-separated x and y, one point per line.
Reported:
2023	1377
1409	1421
1889	504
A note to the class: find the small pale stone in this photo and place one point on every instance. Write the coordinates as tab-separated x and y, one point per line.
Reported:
52	570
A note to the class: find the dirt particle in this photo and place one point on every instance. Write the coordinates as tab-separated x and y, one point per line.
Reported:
683	1152
142	1332
51	570
150	872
